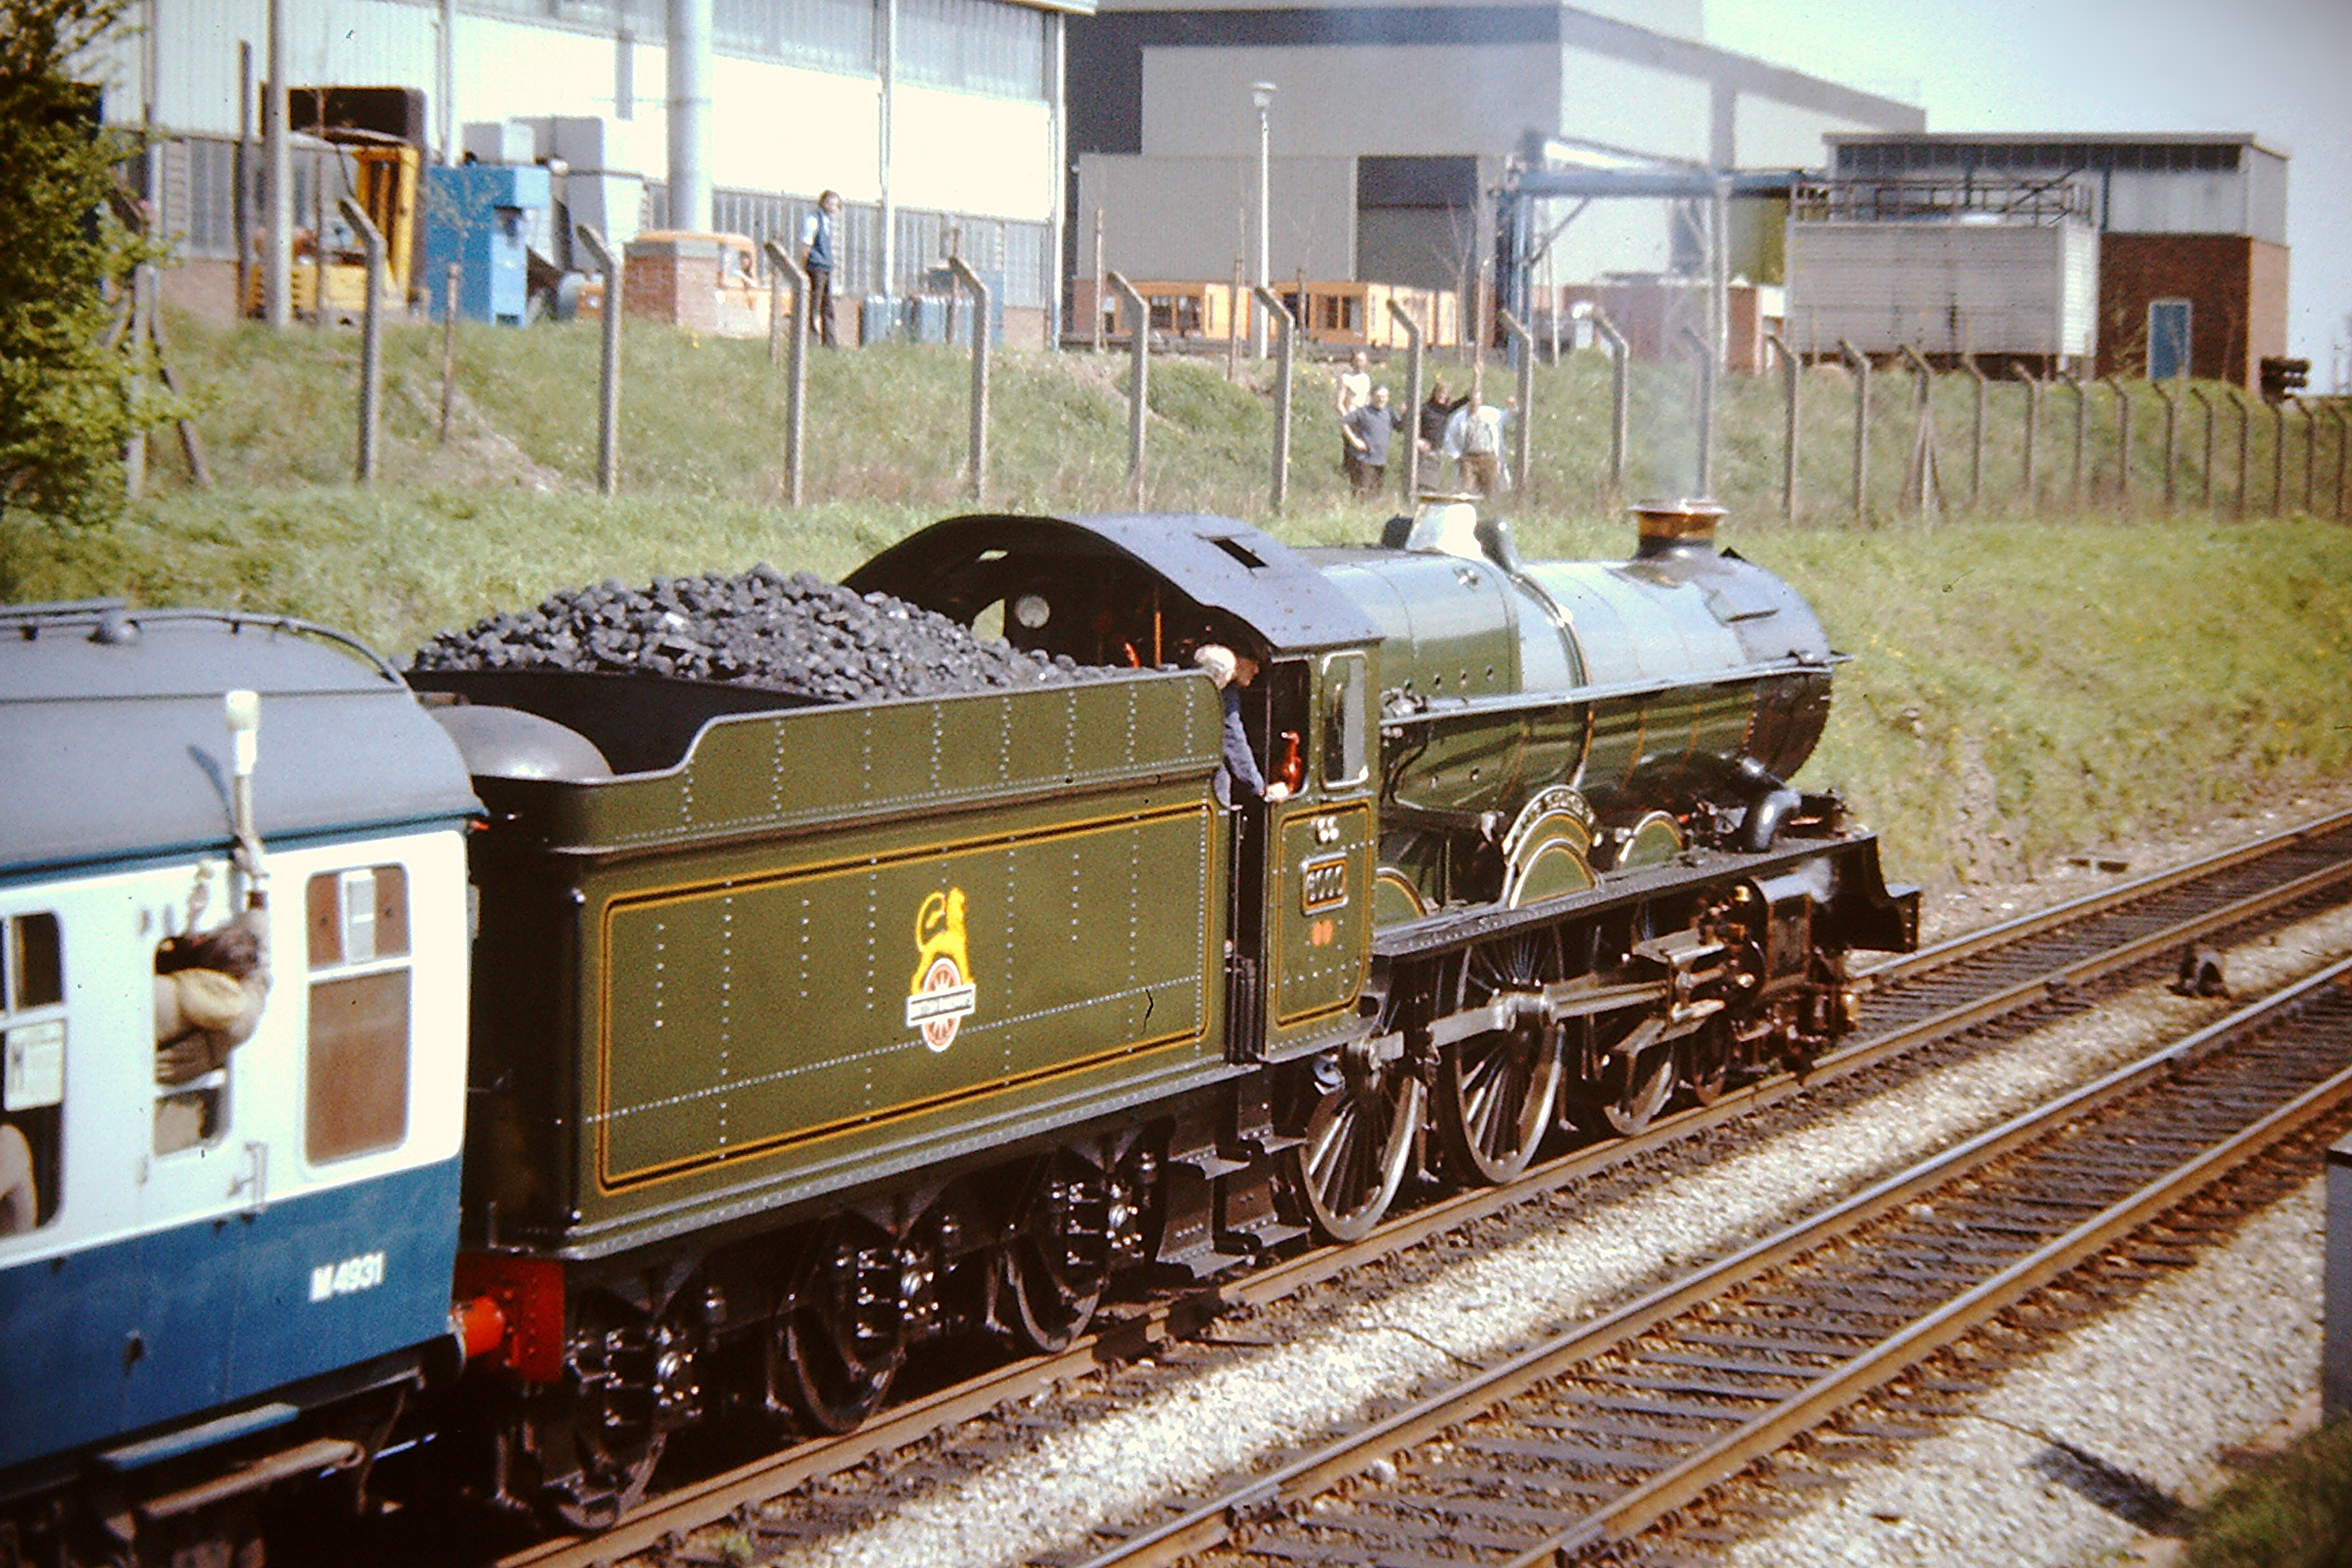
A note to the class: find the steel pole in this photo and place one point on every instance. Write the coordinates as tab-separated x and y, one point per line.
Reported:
1788	389
2205	404
1524	342
1981	384
608	370
1138	389
371	337
1620	387
278	232
980	336
1861	363
2172	445
2123	442
1288	330
1403	318
1704	464
796	368
1264	273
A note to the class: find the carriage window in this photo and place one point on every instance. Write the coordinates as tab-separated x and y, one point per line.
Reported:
358	1062
32	1070
1344	682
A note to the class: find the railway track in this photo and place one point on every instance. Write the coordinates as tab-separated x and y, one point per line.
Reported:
1593	1436
1942	992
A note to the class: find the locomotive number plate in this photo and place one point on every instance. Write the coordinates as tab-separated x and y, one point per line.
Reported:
1323	884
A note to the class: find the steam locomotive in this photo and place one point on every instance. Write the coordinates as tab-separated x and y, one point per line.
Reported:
544	1063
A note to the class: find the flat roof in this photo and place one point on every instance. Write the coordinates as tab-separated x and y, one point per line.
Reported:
2034	138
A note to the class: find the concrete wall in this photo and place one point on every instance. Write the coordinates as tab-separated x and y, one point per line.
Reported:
1189	217
1347	101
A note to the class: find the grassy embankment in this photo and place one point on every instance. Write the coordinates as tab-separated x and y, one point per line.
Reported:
2029	680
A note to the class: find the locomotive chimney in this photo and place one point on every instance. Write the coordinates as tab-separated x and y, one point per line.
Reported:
1671	525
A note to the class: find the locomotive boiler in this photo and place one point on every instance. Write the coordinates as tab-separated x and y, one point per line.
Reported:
803	1031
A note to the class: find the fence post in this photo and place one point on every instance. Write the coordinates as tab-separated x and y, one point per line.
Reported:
1139	338
2123	443
449	349
1095	333
784	270
2343	424
2245	445
1705	352
2310	450
1789	372
2278	459
608	374
370	339
1977	430
2027	485
1617	399
2082	435
2205	404
1526	343
1860	362
1923	480
1403	318
2172	445
1281	318
980	336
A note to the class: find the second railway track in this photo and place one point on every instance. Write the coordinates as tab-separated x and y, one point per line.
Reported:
1966	983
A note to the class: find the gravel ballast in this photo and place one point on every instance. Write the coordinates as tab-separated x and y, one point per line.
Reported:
1180	1440
2046	1469
792	633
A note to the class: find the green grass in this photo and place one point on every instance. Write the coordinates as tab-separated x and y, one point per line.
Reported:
2294	1513
2024	682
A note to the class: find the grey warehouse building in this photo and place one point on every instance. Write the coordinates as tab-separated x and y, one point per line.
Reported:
1392	122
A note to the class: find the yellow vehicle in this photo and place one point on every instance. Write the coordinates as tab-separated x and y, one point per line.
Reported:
380	173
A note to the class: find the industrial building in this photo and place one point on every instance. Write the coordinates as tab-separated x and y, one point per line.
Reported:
940	121
1388	126
2151	255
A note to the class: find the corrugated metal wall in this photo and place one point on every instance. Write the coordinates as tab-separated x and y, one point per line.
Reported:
1943	289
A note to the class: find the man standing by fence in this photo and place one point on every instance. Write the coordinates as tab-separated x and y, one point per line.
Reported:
816	259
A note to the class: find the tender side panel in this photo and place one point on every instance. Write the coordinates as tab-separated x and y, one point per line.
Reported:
759	1015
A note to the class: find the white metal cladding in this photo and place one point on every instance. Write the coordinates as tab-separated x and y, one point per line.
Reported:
112	1184
1943	287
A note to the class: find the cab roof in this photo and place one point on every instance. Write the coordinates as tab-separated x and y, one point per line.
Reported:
960	566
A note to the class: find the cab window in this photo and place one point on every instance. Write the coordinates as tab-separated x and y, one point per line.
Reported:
32	1070
1344	685
358	1060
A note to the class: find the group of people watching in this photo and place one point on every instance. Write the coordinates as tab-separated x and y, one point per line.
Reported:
1466	431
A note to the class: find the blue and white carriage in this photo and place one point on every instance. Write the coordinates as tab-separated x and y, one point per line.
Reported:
234	1003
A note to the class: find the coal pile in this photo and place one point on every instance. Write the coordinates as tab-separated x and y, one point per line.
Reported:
795	633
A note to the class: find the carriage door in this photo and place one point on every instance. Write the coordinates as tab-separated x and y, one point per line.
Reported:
1318	876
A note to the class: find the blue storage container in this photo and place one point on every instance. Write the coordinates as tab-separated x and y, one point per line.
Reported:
474	214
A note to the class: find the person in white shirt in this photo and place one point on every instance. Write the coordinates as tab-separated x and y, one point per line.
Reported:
817	261
1473	440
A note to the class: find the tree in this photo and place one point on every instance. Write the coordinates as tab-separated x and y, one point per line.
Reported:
68	397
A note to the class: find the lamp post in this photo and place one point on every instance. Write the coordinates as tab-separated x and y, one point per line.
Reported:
1262	94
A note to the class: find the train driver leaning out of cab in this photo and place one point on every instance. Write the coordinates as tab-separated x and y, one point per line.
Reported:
1238	778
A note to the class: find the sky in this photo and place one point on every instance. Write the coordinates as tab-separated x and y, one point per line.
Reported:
2279	68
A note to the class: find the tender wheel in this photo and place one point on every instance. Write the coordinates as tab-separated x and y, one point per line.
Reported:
1059	1258
590	1443
841	1334
1496	1091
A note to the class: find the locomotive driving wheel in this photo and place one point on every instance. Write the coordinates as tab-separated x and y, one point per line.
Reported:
1059	1257
841	1333
1360	1132
1495	1090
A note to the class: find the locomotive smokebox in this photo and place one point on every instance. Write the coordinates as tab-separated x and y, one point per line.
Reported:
1667	526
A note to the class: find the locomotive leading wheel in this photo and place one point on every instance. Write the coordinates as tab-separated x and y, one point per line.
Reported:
1059	1257
1496	1091
1704	1060
841	1335
1359	1147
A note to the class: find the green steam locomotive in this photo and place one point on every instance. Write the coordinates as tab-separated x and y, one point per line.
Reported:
805	1032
